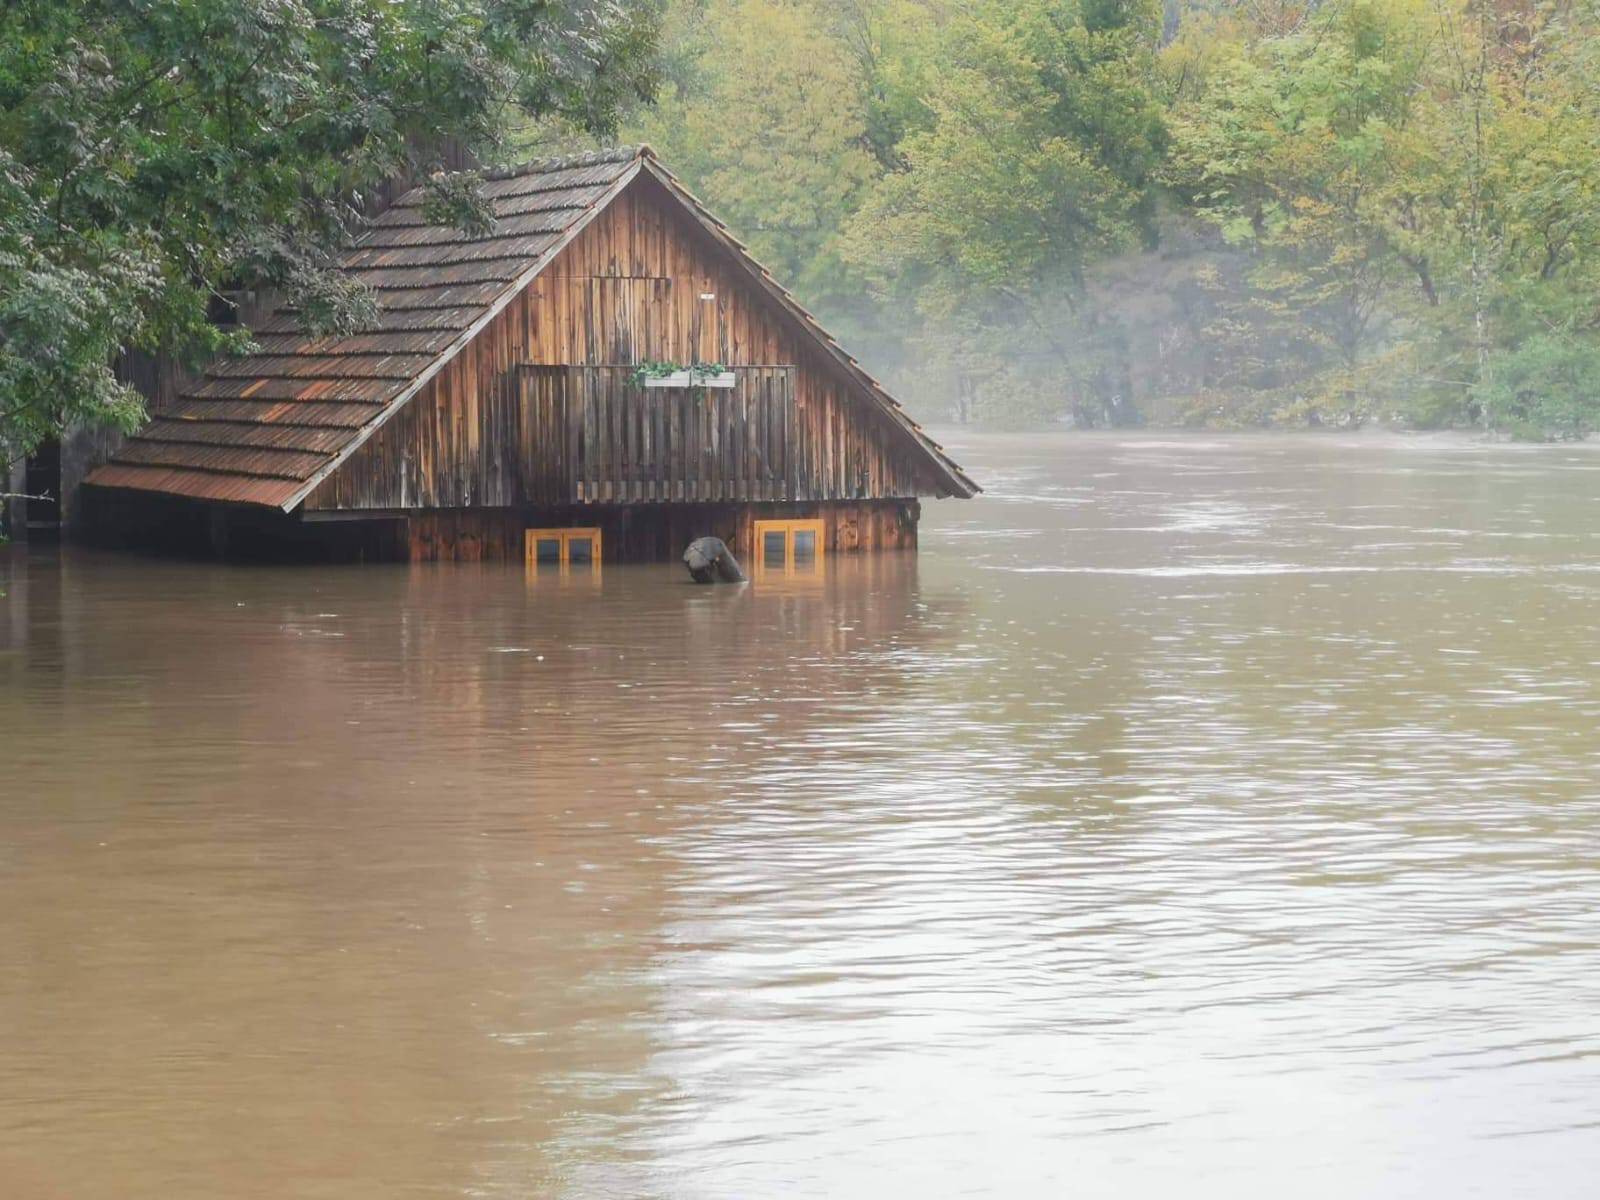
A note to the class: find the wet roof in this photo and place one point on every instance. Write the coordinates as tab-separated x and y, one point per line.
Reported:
265	428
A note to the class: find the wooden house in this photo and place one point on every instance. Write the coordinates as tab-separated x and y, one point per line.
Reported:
519	383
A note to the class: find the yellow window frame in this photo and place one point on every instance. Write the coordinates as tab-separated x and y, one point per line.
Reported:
788	529
532	537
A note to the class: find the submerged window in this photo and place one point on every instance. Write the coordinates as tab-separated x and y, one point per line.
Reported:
784	545
805	545
774	548
561	547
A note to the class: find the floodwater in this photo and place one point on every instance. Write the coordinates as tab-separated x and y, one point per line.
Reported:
1196	816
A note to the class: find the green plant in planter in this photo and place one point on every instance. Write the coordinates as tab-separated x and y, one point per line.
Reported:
651	369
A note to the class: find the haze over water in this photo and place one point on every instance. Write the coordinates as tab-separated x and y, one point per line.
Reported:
1200	816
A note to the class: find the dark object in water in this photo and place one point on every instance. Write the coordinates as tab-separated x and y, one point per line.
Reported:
710	561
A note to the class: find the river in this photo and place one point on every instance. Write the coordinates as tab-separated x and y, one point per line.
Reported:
1195	816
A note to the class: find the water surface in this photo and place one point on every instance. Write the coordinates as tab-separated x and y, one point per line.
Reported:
1196	816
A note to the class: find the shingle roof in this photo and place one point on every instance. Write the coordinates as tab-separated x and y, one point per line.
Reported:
266	427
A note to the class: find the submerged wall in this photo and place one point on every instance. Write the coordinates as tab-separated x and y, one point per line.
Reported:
657	532
630	533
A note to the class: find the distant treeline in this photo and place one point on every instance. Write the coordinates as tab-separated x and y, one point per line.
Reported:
1103	212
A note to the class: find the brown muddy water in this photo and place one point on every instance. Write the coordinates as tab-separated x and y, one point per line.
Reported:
1196	817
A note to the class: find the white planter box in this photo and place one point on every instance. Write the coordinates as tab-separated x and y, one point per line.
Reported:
680	379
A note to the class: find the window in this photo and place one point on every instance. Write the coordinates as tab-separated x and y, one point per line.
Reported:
774	548
561	547
787	545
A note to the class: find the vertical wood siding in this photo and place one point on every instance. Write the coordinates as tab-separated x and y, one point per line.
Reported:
597	438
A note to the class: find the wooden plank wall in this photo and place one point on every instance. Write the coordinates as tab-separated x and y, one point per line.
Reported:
605	441
640	282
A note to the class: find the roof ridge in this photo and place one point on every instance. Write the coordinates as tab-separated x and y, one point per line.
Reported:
567	162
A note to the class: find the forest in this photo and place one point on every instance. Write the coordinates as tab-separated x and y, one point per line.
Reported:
1024	213
1102	212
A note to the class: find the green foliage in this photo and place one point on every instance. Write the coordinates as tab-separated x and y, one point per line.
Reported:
1412	184
62	318
154	152
1302	151
1546	388
653	369
1041	142
1035	161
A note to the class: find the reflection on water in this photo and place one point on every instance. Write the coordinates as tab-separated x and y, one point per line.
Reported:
1206	814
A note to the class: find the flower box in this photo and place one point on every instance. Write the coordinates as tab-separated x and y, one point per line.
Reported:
683	379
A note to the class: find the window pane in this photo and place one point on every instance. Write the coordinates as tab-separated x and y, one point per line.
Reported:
580	549
805	545
547	550
773	547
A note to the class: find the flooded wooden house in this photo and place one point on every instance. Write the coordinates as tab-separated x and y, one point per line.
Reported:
605	372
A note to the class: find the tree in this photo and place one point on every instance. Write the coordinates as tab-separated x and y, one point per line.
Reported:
153	152
1305	150
1414	184
770	127
1518	235
1037	159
